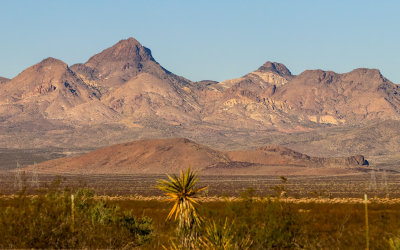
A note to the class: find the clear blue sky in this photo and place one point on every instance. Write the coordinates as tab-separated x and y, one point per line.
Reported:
213	39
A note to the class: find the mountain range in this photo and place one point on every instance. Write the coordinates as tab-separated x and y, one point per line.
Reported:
123	94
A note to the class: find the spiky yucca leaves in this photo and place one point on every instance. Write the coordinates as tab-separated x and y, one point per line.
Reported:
183	194
218	236
181	191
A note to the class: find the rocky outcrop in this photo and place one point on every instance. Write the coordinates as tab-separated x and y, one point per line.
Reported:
275	67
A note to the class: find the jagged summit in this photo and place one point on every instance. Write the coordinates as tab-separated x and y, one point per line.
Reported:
117	64
125	50
275	67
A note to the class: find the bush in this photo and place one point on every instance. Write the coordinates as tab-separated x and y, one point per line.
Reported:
269	224
45	221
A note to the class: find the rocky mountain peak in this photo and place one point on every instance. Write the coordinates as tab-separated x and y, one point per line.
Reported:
275	67
51	61
51	64
125	50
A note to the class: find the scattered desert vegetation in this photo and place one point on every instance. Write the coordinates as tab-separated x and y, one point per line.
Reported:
56	216
279	160
65	219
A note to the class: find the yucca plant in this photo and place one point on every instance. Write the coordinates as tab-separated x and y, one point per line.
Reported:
219	236
182	192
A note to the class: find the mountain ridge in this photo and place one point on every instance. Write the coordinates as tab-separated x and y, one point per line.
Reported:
123	93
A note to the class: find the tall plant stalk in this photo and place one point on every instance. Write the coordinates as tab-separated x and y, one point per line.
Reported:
72	213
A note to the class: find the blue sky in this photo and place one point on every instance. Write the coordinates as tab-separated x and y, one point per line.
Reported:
214	40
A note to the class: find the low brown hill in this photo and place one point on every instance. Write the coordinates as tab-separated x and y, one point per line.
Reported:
157	156
277	155
171	155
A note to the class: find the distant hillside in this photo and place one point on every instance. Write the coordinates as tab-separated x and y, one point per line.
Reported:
161	156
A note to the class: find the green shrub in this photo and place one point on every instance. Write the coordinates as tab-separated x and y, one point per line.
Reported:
394	243
45	221
267	223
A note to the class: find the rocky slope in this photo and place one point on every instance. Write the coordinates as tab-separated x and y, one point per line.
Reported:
133	84
114	66
123	94
161	156
247	102
50	93
3	80
125	85
350	98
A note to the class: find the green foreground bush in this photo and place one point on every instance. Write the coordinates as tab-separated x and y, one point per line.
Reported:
254	224
45	221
